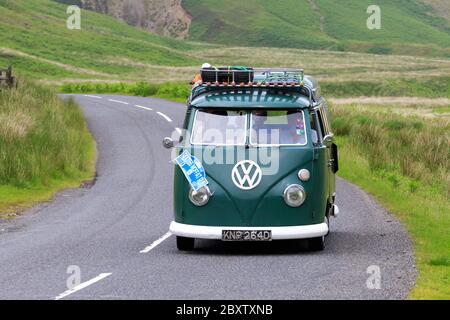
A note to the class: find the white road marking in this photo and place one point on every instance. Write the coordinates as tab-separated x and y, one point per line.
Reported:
179	130
83	285
156	243
91	96
118	101
138	106
164	116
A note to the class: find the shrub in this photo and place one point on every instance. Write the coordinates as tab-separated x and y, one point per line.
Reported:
144	89
395	124
341	126
379	50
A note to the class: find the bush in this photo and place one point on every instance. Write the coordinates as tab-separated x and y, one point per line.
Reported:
174	90
379	50
341	126
144	89
395	124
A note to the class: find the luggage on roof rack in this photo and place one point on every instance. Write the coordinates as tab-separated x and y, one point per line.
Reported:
280	76
230	78
240	74
237	74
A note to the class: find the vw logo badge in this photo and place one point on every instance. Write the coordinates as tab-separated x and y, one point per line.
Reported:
246	175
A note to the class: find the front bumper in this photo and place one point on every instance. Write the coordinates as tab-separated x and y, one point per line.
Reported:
278	233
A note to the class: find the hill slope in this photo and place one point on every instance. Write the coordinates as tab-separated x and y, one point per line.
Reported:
35	39
324	24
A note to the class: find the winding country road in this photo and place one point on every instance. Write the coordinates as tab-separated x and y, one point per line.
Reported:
116	233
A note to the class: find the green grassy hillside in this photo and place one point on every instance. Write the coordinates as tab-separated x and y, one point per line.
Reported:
35	39
320	24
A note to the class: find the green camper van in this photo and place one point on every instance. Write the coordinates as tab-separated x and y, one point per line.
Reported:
264	142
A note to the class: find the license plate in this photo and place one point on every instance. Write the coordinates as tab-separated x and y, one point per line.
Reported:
246	235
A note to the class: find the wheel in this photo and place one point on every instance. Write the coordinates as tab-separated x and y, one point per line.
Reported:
316	244
185	244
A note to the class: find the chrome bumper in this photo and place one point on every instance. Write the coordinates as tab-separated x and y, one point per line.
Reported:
278	233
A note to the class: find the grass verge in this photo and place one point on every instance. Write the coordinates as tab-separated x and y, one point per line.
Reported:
403	162
45	146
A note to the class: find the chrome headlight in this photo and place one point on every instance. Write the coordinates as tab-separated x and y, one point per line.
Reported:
304	175
200	197
294	195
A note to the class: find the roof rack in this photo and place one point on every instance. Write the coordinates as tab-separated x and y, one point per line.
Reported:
257	78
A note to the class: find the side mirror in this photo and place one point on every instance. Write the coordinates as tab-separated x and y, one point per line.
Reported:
168	143
328	140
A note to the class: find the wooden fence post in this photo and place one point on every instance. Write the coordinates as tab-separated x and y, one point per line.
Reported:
9	78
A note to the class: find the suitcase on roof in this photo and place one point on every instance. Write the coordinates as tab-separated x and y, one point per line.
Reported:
229	74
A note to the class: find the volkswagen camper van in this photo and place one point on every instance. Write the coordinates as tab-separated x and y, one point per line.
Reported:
266	149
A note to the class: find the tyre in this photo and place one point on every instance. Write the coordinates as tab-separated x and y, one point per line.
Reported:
316	244
185	244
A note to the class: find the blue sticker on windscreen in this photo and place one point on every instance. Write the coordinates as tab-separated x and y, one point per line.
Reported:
192	169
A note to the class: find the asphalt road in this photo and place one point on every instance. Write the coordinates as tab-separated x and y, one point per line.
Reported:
116	233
